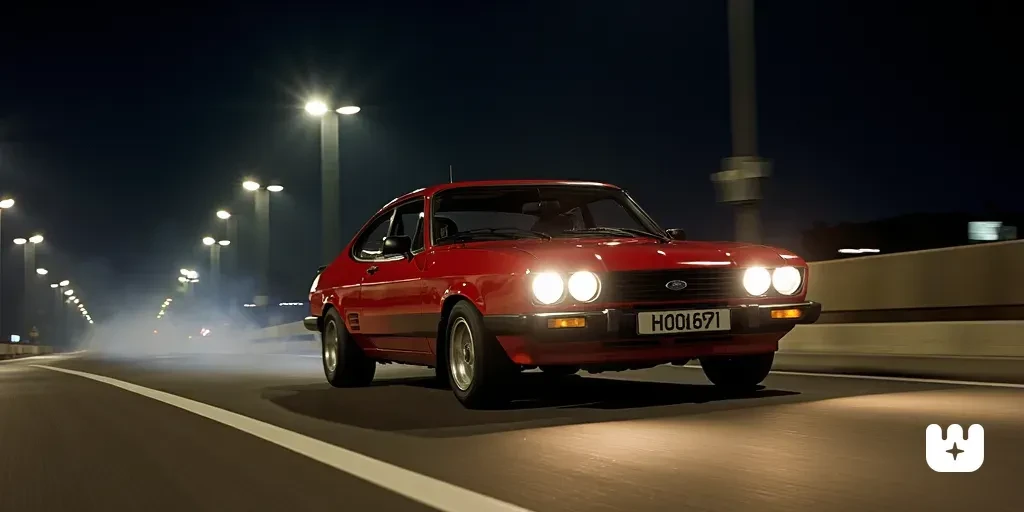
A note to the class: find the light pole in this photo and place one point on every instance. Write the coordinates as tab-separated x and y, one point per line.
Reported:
58	314
29	262
330	176
739	182
261	199
215	248
5	203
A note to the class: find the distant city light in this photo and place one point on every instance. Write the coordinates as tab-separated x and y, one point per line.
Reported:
859	251
291	304
248	305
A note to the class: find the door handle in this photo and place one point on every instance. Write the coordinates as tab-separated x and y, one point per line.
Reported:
372	269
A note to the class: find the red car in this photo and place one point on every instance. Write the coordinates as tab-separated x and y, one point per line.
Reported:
564	276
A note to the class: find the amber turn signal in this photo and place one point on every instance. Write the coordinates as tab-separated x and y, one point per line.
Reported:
780	314
566	323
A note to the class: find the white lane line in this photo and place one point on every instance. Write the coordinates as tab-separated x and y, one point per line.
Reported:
895	379
434	493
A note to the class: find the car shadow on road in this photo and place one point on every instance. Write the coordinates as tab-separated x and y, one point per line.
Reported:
423	404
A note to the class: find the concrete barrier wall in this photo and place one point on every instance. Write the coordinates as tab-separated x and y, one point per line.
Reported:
10	350
976	275
955	313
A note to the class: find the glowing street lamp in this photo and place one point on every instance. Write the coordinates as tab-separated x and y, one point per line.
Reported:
224	243
64	282
223	214
36	239
76	300
209	240
316	108
274	188
20	241
54	285
42	271
69	293
348	110
6	203
182	279
250	185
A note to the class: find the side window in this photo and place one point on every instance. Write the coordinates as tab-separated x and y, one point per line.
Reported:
409	222
372	241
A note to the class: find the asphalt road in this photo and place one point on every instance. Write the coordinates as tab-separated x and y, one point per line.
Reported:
655	440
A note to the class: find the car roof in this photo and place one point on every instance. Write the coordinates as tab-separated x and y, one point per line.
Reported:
431	190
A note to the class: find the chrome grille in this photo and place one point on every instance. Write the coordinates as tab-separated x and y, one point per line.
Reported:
702	284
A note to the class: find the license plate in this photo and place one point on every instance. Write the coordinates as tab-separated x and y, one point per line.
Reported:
672	322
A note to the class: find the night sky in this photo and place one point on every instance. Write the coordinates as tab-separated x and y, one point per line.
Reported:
121	133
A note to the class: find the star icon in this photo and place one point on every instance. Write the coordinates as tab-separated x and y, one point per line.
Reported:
954	451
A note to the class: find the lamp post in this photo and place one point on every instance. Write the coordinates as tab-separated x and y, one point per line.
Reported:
29	253
330	176
5	203
739	182
261	200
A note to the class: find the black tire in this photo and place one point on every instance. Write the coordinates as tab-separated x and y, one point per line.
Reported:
737	373
351	366
560	371
491	373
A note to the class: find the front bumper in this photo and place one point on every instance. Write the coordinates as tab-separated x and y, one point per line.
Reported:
621	324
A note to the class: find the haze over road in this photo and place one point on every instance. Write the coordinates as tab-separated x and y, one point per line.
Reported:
655	440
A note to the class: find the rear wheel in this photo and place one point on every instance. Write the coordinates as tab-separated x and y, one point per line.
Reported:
479	371
737	373
345	364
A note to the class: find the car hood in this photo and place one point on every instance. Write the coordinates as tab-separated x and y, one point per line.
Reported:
645	254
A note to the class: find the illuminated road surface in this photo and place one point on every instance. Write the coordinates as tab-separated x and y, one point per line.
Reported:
657	440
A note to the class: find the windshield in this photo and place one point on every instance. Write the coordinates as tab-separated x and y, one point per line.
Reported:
547	211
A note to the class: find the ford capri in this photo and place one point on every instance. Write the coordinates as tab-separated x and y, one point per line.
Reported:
483	280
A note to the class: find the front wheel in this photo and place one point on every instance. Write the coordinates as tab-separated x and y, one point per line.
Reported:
478	370
345	364
737	373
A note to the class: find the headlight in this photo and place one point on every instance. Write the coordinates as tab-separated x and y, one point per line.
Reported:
786	280
548	287
757	280
584	286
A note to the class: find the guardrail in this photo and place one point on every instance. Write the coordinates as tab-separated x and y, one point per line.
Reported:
12	350
949	313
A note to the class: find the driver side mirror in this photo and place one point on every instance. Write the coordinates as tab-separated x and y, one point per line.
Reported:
397	245
676	234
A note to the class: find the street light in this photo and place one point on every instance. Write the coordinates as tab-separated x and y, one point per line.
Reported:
274	188
209	240
64	282
316	108
69	292
75	300
348	110
20	241
36	239
223	214
250	185
181	279
224	243
42	271
6	203
54	285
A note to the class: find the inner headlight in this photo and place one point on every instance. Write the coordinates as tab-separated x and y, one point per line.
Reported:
584	286
548	287
757	280
786	280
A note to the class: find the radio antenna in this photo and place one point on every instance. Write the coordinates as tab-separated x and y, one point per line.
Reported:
451	177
